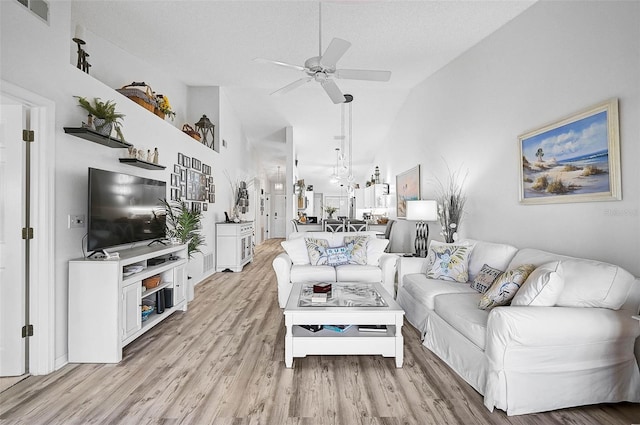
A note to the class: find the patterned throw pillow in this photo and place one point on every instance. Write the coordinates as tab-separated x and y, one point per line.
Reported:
357	247
485	278
337	256
505	287
449	262
317	249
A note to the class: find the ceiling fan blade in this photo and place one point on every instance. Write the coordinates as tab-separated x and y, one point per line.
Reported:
284	64
362	74
292	86
334	52
333	91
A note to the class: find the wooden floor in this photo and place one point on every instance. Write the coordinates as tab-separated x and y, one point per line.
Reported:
222	362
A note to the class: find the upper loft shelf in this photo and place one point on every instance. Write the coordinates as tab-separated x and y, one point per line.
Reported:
142	164
94	136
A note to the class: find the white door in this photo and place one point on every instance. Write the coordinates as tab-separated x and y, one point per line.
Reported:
278	217
12	283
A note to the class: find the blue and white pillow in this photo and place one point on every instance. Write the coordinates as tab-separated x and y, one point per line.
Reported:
317	250
337	256
357	248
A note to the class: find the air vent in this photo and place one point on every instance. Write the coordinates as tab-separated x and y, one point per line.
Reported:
208	263
40	8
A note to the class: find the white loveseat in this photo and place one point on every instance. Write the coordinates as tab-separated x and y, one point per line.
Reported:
527	359
293	266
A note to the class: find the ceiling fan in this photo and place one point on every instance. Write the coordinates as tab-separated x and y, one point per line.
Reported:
322	68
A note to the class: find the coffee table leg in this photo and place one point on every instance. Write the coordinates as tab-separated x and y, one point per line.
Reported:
399	341
288	343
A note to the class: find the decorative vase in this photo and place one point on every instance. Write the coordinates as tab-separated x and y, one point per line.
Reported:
102	126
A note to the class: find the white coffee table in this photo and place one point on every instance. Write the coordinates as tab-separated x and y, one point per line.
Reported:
299	342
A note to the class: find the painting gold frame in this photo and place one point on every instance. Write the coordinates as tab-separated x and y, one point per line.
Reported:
575	159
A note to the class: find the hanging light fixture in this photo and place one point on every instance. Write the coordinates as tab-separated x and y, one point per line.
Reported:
278	185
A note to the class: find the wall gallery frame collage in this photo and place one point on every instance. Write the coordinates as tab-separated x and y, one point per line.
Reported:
191	181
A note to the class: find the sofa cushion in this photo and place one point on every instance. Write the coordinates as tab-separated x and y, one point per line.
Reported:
505	287
309	273
587	283
296	249
375	248
449	261
317	250
543	286
485	278
358	273
460	312
496	255
337	256
424	290
357	247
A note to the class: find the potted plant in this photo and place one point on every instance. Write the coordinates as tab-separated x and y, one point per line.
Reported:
104	115
183	225
330	210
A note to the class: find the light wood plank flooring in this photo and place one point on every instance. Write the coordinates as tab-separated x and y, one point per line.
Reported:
222	362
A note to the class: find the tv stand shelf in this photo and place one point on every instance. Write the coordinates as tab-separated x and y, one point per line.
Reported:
94	136
105	305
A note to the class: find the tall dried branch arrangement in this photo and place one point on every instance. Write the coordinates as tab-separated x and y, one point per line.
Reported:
451	200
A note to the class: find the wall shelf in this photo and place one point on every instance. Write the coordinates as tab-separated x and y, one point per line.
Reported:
142	164
94	136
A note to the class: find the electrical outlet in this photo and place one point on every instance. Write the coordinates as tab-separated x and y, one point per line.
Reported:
76	220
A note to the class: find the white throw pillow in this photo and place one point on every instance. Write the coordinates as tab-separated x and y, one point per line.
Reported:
375	249
297	250
543	286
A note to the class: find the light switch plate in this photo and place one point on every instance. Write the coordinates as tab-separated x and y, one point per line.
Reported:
76	220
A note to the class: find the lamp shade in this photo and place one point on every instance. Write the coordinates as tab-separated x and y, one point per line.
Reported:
425	210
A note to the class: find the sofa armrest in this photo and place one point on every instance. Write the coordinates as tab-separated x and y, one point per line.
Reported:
410	265
561	345
388	265
282	266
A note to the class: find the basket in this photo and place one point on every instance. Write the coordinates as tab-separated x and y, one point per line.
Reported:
146	313
151	282
141	94
191	132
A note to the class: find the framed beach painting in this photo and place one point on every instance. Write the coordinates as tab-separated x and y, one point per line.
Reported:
407	189
576	159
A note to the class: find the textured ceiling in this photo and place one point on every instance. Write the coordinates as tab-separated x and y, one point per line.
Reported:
412	39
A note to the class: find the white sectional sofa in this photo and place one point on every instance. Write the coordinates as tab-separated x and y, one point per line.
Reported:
293	266
526	359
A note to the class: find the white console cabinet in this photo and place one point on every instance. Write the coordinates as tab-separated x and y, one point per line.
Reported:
105	302
234	245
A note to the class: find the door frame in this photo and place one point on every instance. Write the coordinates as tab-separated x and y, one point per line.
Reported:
42	259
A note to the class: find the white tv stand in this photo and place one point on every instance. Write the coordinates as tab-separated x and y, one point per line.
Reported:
105	305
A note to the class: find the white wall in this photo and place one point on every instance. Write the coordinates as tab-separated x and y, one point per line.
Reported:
555	59
36	56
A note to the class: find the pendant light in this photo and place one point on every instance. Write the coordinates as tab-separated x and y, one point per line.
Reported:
278	185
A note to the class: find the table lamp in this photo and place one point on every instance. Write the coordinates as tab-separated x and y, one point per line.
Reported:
422	211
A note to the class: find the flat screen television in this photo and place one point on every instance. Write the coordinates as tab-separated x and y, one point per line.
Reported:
124	209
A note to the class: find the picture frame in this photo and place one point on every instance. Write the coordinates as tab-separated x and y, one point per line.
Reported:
180	158
205	206
574	159
186	162
174	180
176	169
212	198
407	189
183	175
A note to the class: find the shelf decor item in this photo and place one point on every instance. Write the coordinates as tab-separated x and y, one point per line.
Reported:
140	93
104	115
206	127
186	128
163	108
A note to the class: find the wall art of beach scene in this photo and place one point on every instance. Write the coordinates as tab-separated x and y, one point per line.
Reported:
571	159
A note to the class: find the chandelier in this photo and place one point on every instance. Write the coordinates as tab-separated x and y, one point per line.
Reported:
343	171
